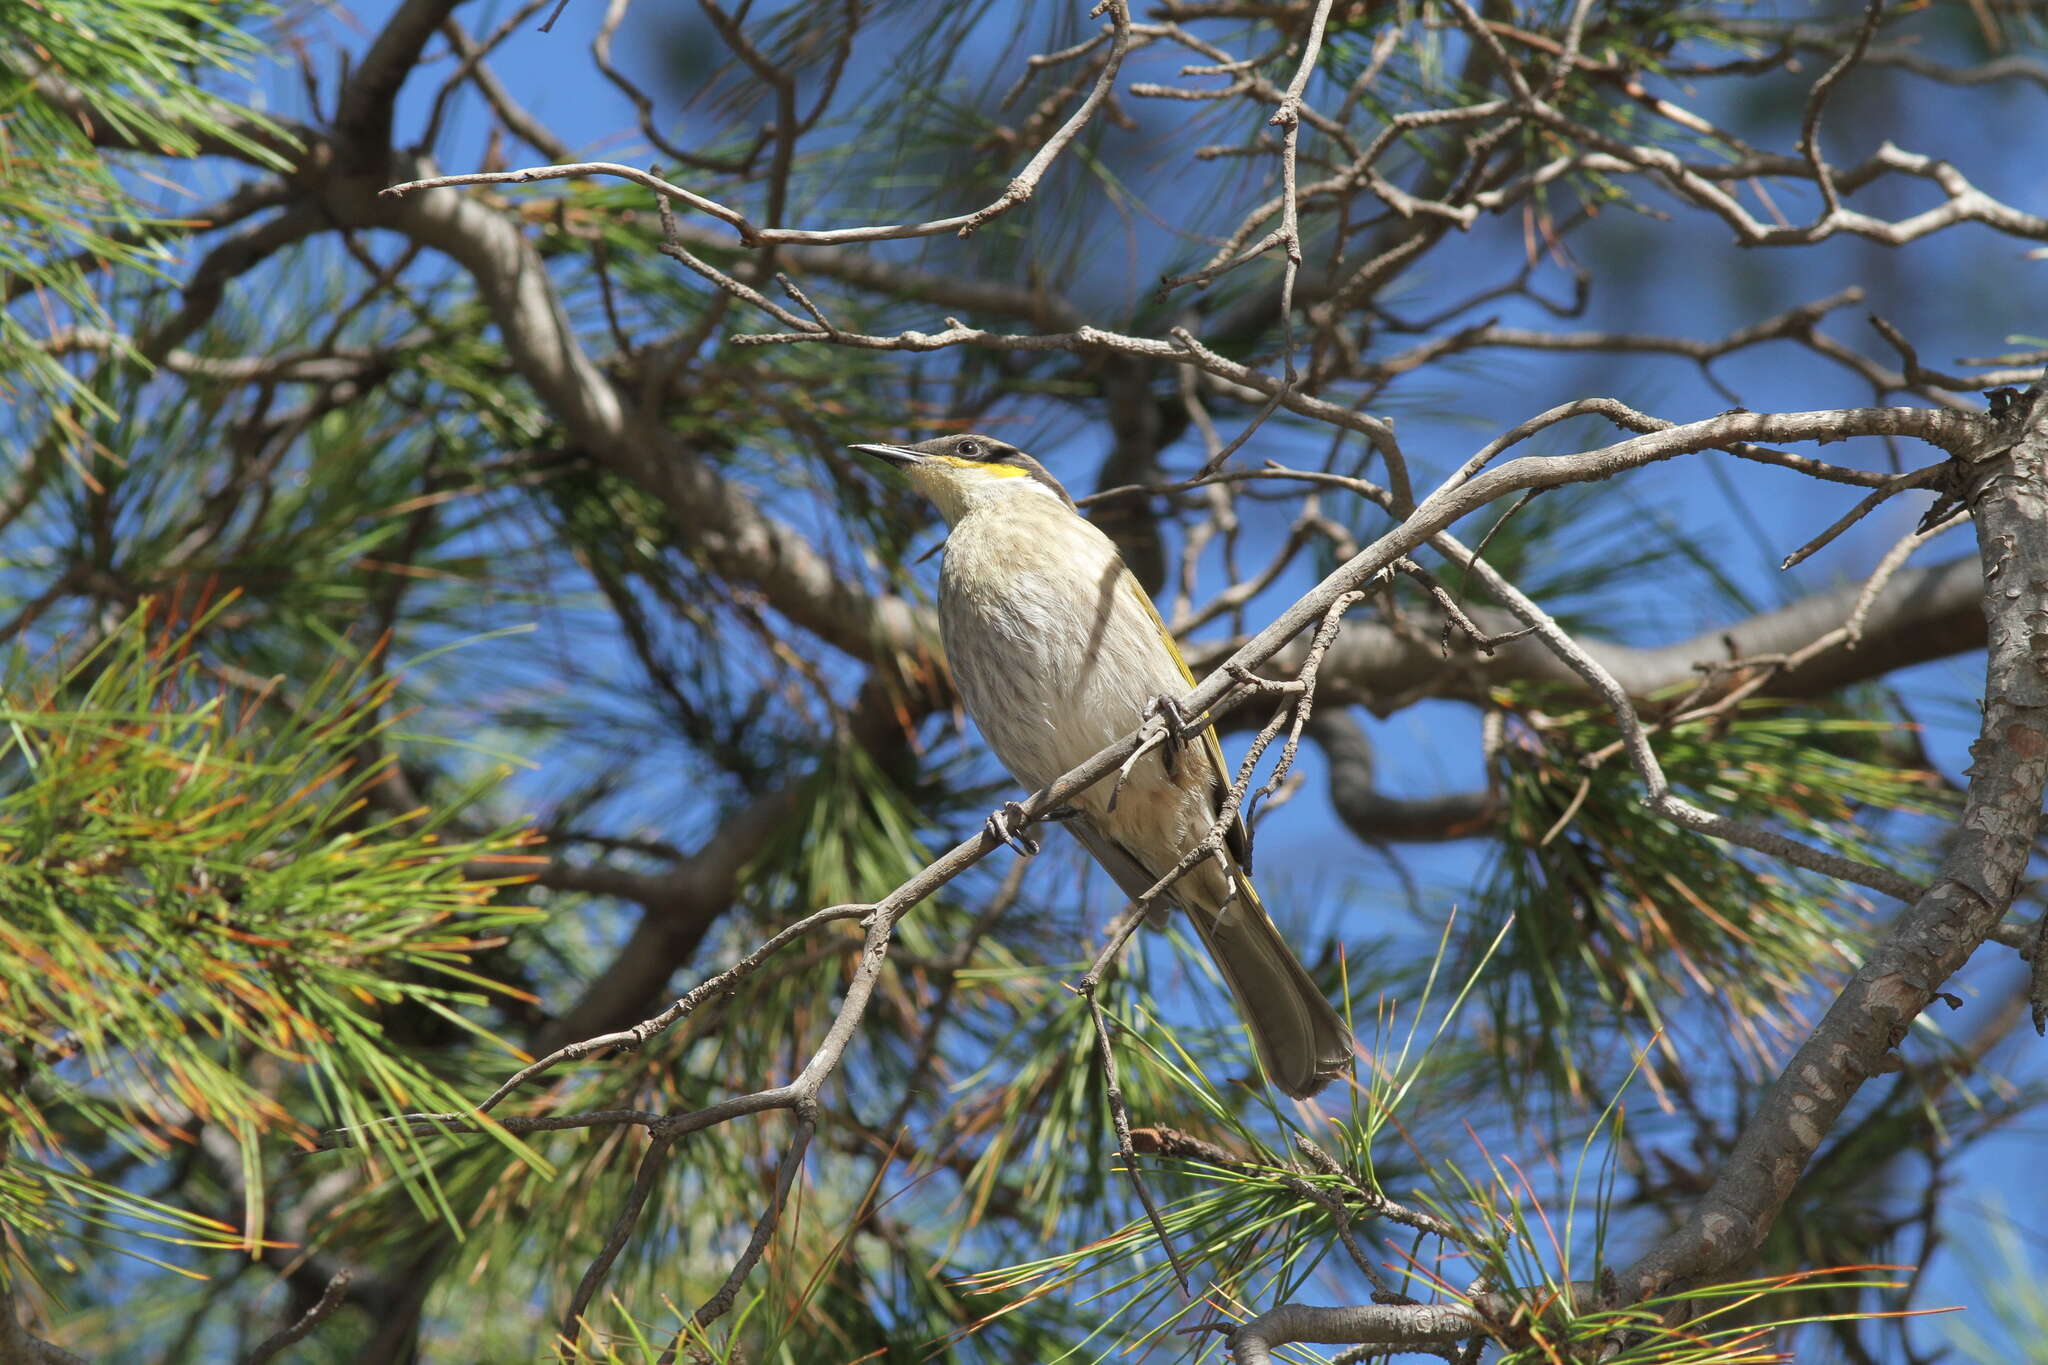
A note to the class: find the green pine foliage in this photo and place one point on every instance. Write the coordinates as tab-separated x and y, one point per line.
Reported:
211	921
150	70
1619	917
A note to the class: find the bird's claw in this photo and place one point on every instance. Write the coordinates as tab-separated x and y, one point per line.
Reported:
1006	824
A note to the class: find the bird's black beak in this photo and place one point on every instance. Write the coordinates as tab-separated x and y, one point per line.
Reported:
901	456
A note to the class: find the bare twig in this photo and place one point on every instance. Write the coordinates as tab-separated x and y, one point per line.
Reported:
1020	188
1119	1112
1917	478
1816	100
300	1328
1288	118
652	1162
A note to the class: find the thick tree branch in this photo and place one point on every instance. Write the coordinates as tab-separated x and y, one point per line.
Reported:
726	525
362	119
1400	1327
1937	934
19	1346
1377	818
1922	614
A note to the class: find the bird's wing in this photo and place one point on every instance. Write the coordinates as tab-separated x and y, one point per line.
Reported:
1235	839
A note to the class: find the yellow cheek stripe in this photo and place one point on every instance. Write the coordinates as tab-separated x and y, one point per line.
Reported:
1000	471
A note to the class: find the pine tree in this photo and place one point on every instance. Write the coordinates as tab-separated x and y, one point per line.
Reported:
492	866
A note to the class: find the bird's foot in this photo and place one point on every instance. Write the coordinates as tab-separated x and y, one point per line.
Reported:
1166	729
1174	724
1006	824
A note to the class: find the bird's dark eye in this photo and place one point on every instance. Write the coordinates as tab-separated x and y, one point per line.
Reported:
969	450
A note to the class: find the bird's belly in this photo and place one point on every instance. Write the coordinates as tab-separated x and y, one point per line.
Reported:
1053	664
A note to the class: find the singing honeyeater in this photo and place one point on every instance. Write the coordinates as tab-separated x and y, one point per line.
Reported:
1058	653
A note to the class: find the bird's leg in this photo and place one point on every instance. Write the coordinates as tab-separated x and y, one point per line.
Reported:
1006	823
1060	814
1174	724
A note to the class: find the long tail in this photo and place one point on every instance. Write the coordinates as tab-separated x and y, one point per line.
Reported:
1302	1040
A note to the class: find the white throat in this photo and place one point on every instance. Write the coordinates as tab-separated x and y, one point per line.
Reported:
958	497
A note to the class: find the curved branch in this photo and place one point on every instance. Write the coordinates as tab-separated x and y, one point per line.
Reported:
362	118
1377	818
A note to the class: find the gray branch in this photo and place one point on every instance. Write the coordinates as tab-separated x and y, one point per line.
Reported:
1399	1327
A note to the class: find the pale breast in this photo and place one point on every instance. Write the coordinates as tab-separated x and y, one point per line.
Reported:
1053	657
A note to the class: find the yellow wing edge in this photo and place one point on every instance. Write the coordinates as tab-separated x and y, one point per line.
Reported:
1237	839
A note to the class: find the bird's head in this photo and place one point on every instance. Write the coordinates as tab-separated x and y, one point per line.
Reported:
963	473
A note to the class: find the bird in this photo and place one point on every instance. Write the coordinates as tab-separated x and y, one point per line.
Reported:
1058	652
